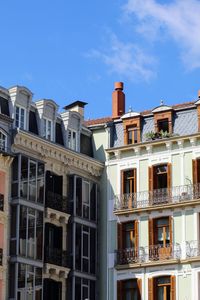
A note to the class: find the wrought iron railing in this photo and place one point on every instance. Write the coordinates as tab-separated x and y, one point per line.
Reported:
57	257
148	254
192	249
1	256
163	196
57	202
1	202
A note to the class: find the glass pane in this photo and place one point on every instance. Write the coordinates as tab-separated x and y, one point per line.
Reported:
22	230
31	237
93	201
85	244
79	197
17	117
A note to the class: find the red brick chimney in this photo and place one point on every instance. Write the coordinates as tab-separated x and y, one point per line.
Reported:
118	101
198	93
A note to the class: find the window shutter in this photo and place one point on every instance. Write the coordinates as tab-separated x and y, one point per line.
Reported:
173	287
120	236
151	179
171	229
169	175
194	170
151	233
119	290
150	289
139	284
136	237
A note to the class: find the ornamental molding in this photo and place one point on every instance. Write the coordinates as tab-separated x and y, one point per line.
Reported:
60	157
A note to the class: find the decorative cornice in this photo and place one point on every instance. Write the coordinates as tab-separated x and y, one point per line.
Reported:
61	156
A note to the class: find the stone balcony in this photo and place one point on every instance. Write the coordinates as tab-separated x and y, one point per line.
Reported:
157	198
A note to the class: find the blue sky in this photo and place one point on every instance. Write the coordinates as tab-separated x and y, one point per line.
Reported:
76	50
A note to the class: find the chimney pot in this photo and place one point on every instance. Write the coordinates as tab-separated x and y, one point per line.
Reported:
118	100
119	86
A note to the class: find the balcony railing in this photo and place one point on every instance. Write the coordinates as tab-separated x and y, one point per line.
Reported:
1	202
57	202
163	196
57	257
1	257
192	249
148	254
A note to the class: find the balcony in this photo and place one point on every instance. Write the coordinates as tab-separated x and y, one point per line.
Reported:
159	197
192	249
1	202
57	257
148	254
1	257
57	202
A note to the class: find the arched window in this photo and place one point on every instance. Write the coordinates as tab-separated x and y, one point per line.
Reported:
3	141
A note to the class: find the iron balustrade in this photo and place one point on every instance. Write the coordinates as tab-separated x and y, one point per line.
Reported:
148	254
57	257
57	202
163	196
1	201
192	249
1	256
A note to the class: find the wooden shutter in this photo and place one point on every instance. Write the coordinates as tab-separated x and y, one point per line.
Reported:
169	175
139	284
194	171
119	290
173	288
171	229
120	236
151	233
151	179
135	180
150	289
136	237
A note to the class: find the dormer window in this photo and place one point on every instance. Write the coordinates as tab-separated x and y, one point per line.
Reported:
72	139
20	117
47	134
132	135
3	141
163	125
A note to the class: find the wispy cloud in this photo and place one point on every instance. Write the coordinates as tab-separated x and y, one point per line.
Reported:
178	19
128	60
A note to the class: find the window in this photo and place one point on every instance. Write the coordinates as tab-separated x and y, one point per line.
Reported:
3	141
33	122
72	140
47	134
129	181
160	238
160	177
20	117
162	288
132	135
163	125
129	289
4	106
127	242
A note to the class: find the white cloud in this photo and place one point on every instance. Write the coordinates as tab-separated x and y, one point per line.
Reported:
126	59
179	19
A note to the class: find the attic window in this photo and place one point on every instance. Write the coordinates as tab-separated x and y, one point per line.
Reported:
132	135
33	122
163	125
59	135
4	107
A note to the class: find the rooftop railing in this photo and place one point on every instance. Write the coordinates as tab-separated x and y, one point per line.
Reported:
57	257
148	254
162	196
57	202
1	202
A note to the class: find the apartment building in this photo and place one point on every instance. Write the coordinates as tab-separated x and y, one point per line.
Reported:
5	162
51	180
153	210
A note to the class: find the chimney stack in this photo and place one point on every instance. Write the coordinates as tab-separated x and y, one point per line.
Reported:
198	94
118	101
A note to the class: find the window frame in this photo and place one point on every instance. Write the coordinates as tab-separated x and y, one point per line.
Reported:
20	115
3	147
46	128
70	139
